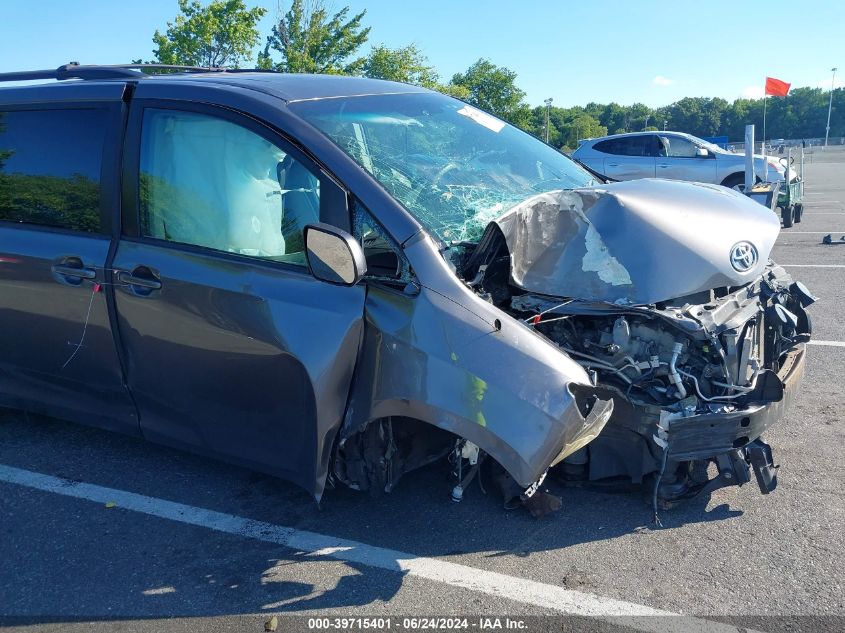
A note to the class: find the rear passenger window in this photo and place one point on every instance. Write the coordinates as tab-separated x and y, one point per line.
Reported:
50	164
625	146
209	182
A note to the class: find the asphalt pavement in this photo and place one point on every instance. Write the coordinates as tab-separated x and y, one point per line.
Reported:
163	540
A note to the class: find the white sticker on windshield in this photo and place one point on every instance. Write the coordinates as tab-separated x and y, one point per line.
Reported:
482	118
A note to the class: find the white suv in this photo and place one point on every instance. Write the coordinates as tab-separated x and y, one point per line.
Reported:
673	155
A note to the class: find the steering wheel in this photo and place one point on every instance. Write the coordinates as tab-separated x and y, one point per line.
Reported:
442	172
435	181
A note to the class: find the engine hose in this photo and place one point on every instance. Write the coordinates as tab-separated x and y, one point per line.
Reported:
716	398
674	376
655	516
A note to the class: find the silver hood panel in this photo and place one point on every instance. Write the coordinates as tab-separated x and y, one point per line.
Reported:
635	242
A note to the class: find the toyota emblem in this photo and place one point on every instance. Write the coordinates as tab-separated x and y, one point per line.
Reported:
743	256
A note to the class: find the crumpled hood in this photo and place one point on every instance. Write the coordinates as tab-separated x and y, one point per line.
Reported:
635	242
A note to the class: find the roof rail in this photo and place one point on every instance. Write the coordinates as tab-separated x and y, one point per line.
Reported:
75	70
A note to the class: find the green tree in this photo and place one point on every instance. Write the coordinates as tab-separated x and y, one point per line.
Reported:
220	34
581	127
309	40
638	116
493	88
614	117
406	64
453	90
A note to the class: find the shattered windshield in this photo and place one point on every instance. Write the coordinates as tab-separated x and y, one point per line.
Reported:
455	168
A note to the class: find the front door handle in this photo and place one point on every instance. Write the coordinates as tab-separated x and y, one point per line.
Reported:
71	270
141	281
79	273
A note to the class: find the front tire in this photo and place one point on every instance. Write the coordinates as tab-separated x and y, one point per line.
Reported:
799	211
735	182
787	214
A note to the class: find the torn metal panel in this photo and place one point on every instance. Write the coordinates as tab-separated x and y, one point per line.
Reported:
637	242
430	359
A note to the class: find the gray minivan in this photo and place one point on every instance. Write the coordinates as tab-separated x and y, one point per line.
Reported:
341	279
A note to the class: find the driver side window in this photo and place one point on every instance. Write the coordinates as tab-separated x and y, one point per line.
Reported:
679	147
209	182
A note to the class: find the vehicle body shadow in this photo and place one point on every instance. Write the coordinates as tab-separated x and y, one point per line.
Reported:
123	564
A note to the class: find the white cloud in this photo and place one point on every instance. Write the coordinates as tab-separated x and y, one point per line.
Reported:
660	80
752	92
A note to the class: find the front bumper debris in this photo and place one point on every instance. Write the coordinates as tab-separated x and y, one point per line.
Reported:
731	441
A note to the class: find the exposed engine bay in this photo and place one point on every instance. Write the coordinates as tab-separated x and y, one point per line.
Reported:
692	339
695	379
681	361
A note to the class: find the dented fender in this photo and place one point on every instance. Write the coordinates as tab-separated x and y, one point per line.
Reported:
460	364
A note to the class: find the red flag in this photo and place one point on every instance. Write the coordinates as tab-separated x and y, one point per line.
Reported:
776	87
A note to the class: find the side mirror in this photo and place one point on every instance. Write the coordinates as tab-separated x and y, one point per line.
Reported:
333	255
701	152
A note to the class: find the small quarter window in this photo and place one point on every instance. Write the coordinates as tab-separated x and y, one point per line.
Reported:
210	182
50	163
384	261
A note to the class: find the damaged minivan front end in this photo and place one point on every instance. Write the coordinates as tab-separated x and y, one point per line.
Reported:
694	334
631	331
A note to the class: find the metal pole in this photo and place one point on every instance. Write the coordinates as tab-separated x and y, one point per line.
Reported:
829	106
802	164
664	124
646	122
788	165
763	140
749	157
548	103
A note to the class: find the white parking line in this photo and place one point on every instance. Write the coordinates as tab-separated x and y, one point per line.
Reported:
814	265
788	233
316	545
828	343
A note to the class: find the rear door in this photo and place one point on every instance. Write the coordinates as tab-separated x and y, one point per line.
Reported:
679	161
233	348
58	195
628	157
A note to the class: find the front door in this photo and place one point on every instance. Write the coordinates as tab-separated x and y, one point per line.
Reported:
233	348
679	160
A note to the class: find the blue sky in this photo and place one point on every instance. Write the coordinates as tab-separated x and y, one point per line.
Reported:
650	51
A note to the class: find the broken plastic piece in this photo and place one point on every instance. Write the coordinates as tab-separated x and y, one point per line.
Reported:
828	239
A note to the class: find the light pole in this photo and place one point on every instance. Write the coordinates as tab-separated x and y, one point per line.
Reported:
829	106
548	103
646	122
665	123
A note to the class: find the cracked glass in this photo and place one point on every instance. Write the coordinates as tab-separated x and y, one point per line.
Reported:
454	167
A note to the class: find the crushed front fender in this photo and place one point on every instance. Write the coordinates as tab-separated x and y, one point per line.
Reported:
489	380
